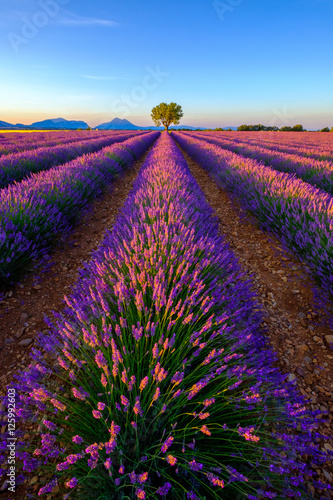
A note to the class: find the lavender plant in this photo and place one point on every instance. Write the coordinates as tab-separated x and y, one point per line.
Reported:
314	171
297	212
155	381
35	211
18	166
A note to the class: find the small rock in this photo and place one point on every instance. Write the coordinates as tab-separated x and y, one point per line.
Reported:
329	340
24	317
25	342
327	446
316	338
291	377
34	480
308	379
303	323
327	475
20	332
8	341
307	360
4	486
295	292
301	350
10	294
300	371
301	315
37	287
75	244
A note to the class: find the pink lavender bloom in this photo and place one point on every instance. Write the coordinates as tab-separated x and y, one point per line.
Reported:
77	439
124	378
156	394
58	404
121	469
108	463
97	414
166	445
48	487
101	406
195	465
132	382
124	401
50	425
142	478
215	480
100	360
137	407
143	383
208	402
104	381
171	459
177	378
79	395
72	483
204	429
247	433
140	493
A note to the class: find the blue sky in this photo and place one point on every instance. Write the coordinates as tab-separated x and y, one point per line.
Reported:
227	62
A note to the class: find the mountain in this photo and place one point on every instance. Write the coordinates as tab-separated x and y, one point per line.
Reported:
5	125
118	124
59	123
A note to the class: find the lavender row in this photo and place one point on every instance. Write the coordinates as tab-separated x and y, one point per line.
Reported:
15	143
182	400
278	142
315	172
18	166
35	211
300	214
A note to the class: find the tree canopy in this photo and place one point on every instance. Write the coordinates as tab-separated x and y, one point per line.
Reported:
166	114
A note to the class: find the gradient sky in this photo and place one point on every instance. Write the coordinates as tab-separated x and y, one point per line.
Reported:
226	62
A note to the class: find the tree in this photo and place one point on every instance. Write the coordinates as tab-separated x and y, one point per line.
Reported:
297	128
244	128
326	129
166	114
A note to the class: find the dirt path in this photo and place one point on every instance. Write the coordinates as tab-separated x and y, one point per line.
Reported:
291	320
22	313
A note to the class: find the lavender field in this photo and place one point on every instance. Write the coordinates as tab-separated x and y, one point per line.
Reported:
156	379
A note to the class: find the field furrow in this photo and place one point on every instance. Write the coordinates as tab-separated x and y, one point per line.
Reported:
316	173
298	213
19	166
164	321
38	210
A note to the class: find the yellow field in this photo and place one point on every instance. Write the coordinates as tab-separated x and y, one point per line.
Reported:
25	131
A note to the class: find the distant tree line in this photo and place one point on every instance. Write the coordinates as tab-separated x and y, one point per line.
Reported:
295	128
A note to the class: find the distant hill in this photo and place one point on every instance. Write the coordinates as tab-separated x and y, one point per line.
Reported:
119	124
5	124
115	124
59	123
